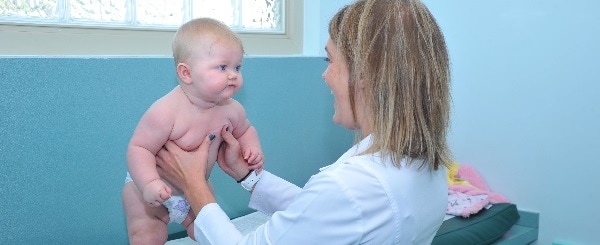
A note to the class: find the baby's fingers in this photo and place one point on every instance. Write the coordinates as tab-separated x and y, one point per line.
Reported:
155	203
165	194
250	159
255	159
258	160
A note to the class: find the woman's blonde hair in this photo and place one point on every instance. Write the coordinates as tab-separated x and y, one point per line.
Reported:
397	55
197	30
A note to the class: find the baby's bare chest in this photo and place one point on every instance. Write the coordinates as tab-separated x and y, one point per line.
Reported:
190	129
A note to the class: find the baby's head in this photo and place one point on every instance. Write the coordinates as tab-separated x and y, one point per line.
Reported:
197	31
208	57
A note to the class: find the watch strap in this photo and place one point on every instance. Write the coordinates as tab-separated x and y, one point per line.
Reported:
250	180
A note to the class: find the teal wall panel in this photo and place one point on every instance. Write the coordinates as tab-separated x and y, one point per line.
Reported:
66	123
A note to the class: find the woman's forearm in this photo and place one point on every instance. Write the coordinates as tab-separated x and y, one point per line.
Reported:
198	194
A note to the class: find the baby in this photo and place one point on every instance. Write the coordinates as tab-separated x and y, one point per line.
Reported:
208	58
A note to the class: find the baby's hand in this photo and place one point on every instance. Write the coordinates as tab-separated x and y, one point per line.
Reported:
254	157
156	192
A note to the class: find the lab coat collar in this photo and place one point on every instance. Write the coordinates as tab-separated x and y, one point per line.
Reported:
356	149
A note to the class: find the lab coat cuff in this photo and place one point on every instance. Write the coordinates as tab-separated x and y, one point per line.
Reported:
213	226
272	194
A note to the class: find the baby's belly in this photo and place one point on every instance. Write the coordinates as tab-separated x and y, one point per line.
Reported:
212	156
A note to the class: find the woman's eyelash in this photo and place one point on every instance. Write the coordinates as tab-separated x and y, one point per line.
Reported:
327	59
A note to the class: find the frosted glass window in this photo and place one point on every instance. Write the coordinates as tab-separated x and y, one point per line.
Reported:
37	9
241	15
109	11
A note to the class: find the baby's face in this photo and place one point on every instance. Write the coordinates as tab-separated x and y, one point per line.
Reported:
216	69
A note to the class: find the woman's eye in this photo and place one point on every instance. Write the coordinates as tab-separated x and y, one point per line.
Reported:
327	59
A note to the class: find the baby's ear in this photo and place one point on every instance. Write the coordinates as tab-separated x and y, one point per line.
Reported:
183	72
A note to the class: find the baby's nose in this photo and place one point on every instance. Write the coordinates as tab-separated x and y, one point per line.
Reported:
232	76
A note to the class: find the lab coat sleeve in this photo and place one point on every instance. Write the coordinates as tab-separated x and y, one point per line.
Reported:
212	226
272	194
322	213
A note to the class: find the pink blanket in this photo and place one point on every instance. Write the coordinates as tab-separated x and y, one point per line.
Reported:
468	192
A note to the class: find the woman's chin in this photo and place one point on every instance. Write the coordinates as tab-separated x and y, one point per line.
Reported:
337	120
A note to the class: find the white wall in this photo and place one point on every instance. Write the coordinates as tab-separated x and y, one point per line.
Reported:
526	86
526	105
317	14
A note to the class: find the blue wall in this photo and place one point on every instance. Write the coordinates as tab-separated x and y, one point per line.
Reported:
66	123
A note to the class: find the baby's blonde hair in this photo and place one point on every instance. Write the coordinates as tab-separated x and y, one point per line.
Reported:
198	30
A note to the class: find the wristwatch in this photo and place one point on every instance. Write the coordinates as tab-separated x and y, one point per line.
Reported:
250	180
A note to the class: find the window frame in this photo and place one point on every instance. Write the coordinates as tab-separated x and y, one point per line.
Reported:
63	40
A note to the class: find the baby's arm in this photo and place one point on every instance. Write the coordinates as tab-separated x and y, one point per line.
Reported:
251	148
150	135
247	135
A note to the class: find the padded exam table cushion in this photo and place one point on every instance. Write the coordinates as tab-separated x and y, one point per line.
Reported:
485	227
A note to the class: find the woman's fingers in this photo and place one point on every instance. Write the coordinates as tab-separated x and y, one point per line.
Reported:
206	143
228	137
178	165
173	148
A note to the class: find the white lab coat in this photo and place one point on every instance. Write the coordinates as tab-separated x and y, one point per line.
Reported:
356	200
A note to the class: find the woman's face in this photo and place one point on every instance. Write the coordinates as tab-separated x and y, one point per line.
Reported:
337	76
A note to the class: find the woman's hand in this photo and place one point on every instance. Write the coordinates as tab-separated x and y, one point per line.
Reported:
187	171
182	168
230	157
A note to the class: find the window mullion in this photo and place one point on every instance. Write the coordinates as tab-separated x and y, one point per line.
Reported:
130	16
63	10
187	10
237	18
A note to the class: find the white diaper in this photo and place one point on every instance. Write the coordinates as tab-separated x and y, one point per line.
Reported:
128	178
177	206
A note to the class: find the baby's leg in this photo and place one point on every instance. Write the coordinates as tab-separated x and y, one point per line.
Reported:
188	223
145	224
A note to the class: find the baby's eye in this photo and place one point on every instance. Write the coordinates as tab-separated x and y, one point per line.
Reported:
238	68
222	67
327	59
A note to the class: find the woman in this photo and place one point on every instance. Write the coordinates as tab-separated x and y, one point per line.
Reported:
388	70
